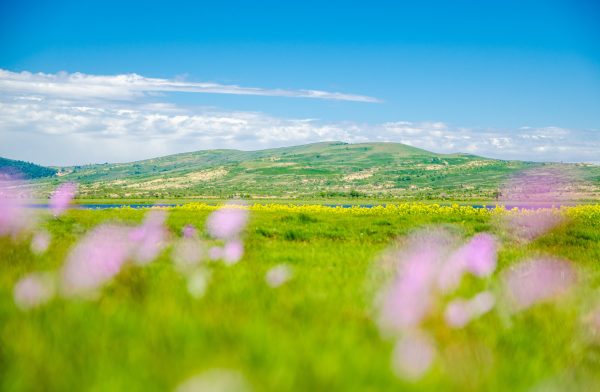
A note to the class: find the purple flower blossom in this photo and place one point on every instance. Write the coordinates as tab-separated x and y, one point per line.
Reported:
530	224
408	299
538	280
150	237
460	312
189	231
187	253
457	313
536	191
539	187
480	255
233	252
215	253
278	275
62	197
15	217
34	290
228	222
96	259
413	356
427	267
40	242
198	282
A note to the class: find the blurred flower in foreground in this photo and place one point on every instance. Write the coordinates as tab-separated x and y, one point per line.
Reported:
189	231
215	252
538	280
536	192
40	241
460	312
150	237
96	258
478	257
233	252
527	225
15	216
62	197
227	222
539	187
413	355
33	290
429	265
216	380
187	253
198	282
278	275
101	253
591	322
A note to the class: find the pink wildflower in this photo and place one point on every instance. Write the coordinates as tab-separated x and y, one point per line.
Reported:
409	297
530	224
215	253
150	237
457	313
62	197
34	290
40	242
189	231
15	216
233	252
538	280
536	191
480	255
278	275
187	253
460	312
413	356
198	282
96	259
227	223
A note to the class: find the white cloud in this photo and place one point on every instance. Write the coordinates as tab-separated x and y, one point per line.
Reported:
60	132
130	86
67	119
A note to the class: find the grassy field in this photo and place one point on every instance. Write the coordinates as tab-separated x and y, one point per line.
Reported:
328	170
314	333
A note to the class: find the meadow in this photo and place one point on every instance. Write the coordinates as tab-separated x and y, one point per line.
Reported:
144	330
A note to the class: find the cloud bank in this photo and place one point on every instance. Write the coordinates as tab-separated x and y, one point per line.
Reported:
131	86
85	119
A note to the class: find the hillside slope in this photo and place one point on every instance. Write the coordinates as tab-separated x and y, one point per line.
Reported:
315	170
25	170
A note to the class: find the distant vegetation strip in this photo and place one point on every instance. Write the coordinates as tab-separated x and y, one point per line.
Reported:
25	170
590	211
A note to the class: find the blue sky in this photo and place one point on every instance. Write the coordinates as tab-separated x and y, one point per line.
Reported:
510	79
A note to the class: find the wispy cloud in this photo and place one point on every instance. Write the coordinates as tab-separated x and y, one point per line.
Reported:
57	131
78	118
130	86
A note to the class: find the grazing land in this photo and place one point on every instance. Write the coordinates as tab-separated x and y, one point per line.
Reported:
315	332
329	170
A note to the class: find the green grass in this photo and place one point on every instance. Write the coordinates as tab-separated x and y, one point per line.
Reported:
315	333
319	170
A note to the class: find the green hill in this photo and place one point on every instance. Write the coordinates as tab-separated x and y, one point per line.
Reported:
330	169
25	169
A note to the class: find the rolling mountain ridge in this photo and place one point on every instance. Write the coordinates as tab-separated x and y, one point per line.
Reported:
328	169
